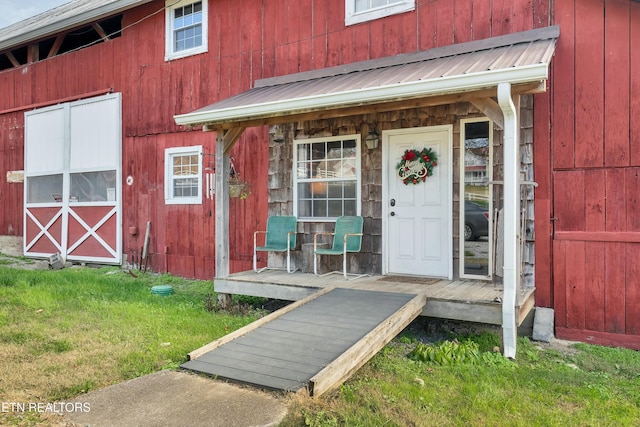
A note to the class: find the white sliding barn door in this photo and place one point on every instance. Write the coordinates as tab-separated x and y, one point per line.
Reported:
75	209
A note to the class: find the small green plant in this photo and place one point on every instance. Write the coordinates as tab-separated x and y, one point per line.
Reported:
319	419
447	353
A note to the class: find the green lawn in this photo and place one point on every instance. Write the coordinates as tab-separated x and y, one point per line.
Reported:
70	331
584	386
66	332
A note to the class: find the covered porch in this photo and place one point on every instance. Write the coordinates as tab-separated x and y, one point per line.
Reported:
487	76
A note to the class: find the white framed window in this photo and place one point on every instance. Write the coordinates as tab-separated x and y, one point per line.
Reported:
186	28
476	196
326	178
357	11
183	175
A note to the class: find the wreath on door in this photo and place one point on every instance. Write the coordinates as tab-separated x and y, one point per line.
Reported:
416	166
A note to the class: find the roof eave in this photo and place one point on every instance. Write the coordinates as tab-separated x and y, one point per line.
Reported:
417	89
71	22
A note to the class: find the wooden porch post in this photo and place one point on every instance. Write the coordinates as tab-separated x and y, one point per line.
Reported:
222	214
511	212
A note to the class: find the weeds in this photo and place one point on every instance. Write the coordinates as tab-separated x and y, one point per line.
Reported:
447	353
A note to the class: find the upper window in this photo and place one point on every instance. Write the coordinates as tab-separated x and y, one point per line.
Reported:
327	178
183	170
186	28
366	10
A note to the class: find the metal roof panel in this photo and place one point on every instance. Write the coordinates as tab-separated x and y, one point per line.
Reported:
65	17
519	58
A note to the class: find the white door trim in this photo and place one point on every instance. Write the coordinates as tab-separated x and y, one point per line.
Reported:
386	134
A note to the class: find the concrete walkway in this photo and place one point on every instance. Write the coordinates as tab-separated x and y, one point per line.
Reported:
171	398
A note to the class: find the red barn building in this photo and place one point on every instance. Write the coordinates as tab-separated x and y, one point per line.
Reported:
289	89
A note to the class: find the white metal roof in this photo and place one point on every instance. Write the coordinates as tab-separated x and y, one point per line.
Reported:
62	18
517	58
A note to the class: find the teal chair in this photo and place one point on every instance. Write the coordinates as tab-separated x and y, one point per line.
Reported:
280	236
347	237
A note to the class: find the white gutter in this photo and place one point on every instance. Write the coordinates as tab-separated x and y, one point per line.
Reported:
420	88
69	19
511	202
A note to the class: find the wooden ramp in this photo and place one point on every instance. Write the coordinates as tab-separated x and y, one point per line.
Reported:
314	344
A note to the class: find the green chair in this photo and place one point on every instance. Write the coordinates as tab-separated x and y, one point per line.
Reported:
347	237
280	236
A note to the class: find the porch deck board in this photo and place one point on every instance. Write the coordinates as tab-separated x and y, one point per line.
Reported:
289	351
468	300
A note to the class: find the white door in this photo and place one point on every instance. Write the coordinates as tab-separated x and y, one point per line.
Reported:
417	217
72	192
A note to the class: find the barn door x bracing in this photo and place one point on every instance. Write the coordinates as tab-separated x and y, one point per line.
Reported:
73	171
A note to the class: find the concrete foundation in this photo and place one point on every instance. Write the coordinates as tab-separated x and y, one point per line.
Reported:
11	245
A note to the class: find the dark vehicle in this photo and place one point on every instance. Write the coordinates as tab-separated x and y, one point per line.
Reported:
476	221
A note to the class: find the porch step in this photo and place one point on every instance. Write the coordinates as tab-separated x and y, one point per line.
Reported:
312	345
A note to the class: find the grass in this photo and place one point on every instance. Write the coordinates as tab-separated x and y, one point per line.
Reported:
66	332
587	386
70	331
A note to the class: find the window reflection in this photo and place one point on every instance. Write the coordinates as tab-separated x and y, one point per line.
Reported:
475	215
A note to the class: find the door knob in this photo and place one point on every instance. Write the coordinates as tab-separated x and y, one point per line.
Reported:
393	202
392	214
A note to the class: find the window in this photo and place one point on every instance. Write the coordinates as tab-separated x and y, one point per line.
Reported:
186	28
357	11
476	227
182	175
327	178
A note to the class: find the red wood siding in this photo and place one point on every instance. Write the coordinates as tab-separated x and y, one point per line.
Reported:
248	40
596	179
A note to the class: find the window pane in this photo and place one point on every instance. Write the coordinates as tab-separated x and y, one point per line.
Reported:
93	187
44	189
303	170
320	209
350	190
185	187
335	208
318	190
187	27
362	5
318	151
350	208
335	190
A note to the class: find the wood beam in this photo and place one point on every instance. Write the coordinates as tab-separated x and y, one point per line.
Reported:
222	208
489	108
336	372
230	138
56	45
100	31
33	53
12	58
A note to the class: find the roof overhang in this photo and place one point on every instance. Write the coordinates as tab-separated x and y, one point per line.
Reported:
521	59
62	18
